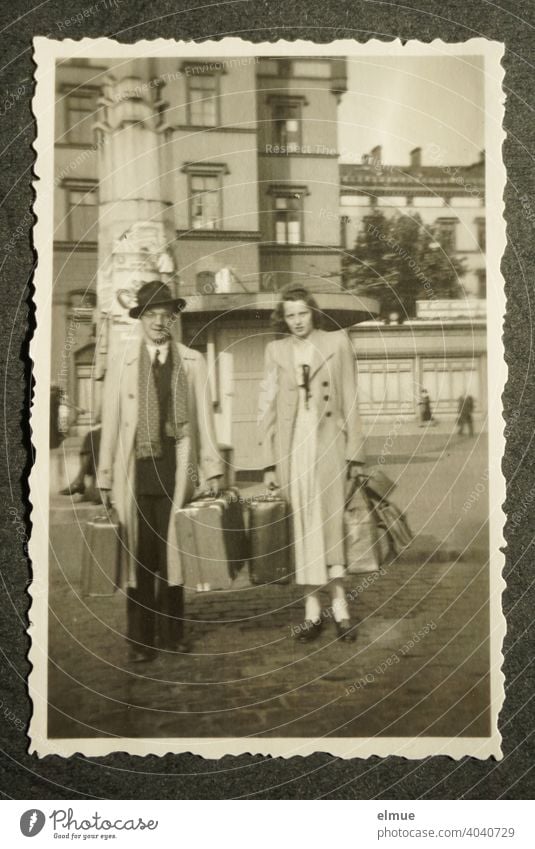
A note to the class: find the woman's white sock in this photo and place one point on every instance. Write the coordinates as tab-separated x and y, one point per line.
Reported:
313	608
339	600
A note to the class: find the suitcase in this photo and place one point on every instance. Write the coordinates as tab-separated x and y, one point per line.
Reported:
211	540
100	556
270	553
364	545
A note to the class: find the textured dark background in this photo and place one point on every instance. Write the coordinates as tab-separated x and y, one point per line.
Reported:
186	776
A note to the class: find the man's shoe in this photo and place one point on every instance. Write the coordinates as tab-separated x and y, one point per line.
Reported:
308	631
346	631
140	655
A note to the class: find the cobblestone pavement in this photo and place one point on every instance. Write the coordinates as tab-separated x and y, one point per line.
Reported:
419	665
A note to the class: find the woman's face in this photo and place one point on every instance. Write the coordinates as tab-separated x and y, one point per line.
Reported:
298	317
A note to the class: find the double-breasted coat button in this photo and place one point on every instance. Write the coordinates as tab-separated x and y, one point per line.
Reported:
328	414
325	383
325	397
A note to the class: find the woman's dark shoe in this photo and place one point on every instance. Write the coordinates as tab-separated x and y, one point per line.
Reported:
73	489
308	631
181	646
346	631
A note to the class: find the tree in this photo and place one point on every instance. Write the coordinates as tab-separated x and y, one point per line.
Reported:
398	261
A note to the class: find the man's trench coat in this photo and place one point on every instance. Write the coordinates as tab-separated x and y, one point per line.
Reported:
196	450
340	438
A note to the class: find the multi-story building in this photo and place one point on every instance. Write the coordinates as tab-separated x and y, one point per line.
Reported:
444	348
222	178
450	200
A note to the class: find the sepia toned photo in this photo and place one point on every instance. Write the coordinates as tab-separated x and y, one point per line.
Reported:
266	498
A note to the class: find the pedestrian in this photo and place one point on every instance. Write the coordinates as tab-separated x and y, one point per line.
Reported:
89	453
313	447
157	427
426	414
56	435
465	408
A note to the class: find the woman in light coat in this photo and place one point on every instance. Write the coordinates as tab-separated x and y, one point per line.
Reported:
313	445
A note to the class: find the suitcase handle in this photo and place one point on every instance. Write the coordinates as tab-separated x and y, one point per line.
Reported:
106	517
233	492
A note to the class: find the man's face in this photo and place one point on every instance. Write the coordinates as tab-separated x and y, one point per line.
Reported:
156	324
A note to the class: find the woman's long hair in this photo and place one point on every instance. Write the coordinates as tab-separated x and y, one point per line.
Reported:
295	293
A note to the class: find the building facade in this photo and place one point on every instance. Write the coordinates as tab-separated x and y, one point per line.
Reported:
443	350
221	178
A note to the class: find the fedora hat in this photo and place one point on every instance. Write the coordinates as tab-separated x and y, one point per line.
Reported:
155	294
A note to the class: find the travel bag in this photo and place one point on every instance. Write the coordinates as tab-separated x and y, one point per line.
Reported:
365	548
212	541
392	525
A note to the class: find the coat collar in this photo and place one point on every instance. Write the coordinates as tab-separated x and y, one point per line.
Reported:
134	346
322	352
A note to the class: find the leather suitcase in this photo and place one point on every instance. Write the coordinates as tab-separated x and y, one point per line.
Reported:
212	541
270	552
100	556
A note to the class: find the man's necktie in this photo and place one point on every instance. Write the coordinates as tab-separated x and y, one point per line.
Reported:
156	366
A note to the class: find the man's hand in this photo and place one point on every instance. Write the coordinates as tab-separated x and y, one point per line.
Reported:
270	480
105	496
214	485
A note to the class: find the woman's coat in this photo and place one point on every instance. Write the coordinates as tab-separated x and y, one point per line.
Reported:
340	438
196	450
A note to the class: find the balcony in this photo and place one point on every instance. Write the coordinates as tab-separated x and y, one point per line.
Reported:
451	309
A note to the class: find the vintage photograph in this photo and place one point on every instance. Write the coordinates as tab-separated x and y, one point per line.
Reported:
266	498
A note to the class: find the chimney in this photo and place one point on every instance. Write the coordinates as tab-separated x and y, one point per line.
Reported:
377	153
481	157
416	157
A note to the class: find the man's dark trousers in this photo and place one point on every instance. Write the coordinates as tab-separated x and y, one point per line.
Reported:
154	610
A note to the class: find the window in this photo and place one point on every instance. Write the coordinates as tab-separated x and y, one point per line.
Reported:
203	97
286	123
81	106
386	386
287	126
82	213
447	234
446	380
205	201
205	282
288	220
481	283
481	234
287	213
205	184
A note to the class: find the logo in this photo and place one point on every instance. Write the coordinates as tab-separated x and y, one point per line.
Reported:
31	822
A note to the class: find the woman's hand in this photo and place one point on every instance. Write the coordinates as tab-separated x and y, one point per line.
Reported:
270	479
105	497
354	478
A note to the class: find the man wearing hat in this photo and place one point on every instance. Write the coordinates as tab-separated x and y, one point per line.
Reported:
157	432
